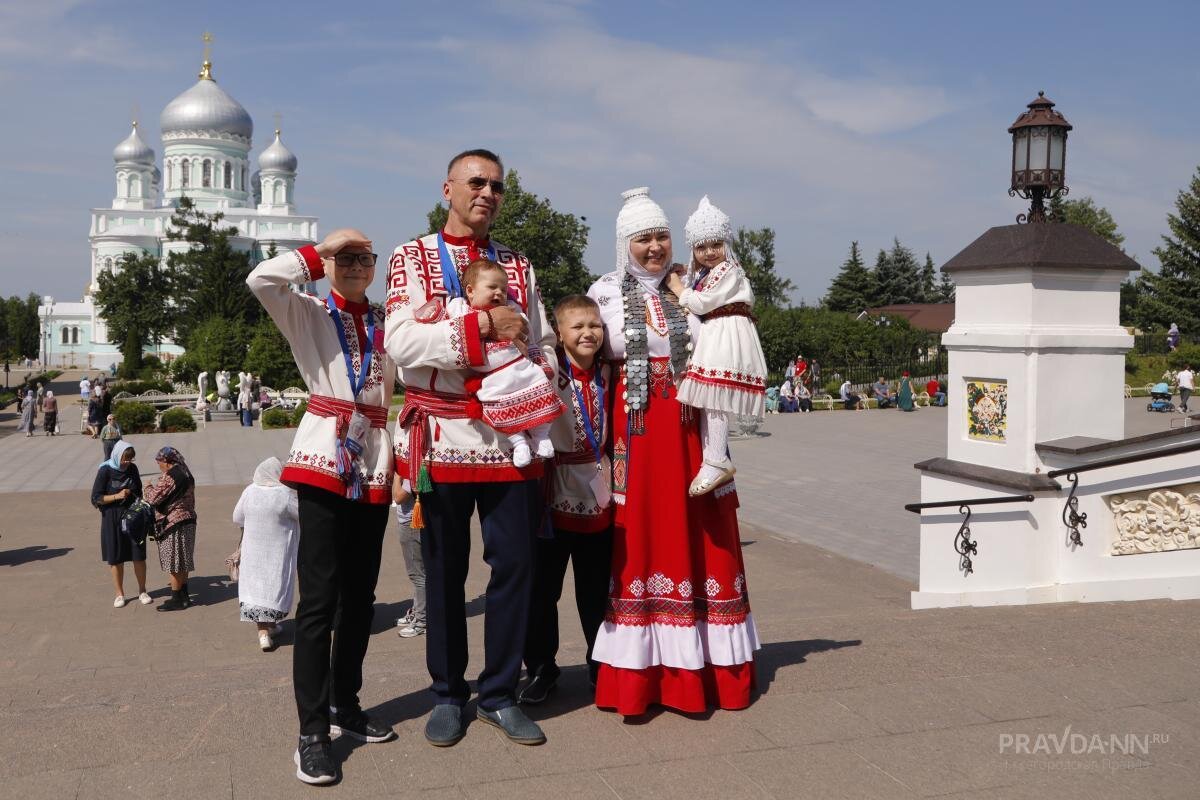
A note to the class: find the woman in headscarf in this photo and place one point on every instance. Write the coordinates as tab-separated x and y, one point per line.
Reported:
678	630
268	514
27	414
95	418
50	408
117	485
174	499
905	399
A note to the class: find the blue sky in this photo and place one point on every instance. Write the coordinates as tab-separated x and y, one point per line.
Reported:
826	122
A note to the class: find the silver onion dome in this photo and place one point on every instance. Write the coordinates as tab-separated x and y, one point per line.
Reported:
133	149
277	157
206	107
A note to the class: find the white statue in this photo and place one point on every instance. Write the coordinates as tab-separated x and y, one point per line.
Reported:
202	400
244	381
223	401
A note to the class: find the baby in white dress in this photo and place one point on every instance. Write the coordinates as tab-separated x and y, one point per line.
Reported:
516	394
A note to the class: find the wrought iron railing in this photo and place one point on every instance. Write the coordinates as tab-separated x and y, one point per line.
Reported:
1071	516
964	545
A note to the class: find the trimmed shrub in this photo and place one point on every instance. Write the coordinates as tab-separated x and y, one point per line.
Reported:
177	419
134	417
298	413
1183	355
276	417
140	387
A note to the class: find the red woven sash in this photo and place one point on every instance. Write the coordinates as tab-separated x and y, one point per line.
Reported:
324	406
419	406
732	310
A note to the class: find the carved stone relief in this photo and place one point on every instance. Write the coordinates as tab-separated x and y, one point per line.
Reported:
1156	520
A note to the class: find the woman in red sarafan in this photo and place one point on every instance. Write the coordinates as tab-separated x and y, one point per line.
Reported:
678	631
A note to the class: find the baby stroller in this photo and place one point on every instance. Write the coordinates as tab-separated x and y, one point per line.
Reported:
1160	398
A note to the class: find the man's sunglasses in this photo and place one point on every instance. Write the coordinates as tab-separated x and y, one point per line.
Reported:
350	259
477	183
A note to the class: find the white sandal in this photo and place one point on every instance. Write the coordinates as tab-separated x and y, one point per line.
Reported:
702	487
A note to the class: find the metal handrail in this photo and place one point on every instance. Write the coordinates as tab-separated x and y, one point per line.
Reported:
1071	516
964	545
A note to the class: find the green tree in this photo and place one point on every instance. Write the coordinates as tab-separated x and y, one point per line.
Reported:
215	344
928	290
209	278
755	249
133	299
1173	293
897	276
270	357
553	241
21	328
945	290
1085	213
853	288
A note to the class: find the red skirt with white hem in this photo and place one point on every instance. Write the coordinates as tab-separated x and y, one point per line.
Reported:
678	631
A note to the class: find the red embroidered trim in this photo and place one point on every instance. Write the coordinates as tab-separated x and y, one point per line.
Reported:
295	475
312	262
728	379
441	472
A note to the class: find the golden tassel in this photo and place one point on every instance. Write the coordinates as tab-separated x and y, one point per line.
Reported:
418	519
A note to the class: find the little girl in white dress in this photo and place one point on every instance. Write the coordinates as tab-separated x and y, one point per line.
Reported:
516	394
727	373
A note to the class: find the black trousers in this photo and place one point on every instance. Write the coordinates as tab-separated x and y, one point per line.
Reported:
337	564
508	514
590	555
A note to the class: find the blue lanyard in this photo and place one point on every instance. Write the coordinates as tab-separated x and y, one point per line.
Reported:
700	276
356	381
450	269
583	409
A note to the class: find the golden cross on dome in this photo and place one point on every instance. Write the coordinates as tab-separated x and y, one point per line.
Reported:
206	70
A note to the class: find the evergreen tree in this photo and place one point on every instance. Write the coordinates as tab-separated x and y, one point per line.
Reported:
879	273
209	278
1085	213
928	292
133	299
269	356
945	290
553	241
1173	293
897	276
755	249
852	289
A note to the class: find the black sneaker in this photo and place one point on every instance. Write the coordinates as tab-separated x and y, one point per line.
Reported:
314	761
355	723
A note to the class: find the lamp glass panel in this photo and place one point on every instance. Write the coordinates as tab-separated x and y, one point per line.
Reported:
1020	149
1058	146
1039	147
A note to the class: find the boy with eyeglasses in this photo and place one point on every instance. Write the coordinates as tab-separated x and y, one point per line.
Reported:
341	467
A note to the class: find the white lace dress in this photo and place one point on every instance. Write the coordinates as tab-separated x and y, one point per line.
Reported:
269	516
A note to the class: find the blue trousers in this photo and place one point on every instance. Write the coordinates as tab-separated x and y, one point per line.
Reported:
508	514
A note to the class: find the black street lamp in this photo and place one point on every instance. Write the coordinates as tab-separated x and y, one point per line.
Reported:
1039	156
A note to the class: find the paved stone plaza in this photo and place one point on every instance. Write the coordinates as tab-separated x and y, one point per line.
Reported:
860	697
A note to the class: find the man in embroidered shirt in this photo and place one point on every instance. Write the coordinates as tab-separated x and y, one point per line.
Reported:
454	460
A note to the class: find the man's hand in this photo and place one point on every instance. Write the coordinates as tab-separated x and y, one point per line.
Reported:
505	325
336	241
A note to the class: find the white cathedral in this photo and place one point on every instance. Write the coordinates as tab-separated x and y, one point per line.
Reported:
206	138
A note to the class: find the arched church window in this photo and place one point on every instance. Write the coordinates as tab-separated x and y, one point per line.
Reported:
206	174
228	175
170	170
279	192
108	264
185	174
241	179
65	335
74	335
135	186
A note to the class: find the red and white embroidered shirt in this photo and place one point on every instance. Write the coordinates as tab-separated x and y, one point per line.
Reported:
306	323
573	505
438	355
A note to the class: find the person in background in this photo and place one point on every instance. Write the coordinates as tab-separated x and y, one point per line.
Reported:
934	390
116	486
85	390
413	623
50	411
1173	337
110	434
94	419
804	398
884	396
850	400
787	397
790	372
905	397
174	499
28	415
269	515
1187	385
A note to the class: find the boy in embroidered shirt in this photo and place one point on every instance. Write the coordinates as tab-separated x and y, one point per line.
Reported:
581	508
515	393
727	372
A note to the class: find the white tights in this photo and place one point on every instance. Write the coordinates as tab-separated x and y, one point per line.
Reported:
714	434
